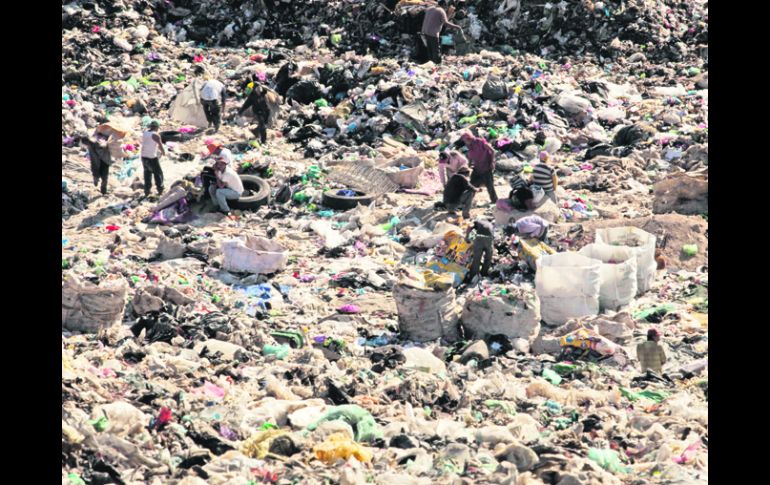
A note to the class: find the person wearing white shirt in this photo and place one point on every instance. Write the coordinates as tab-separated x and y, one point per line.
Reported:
212	93
152	149
229	185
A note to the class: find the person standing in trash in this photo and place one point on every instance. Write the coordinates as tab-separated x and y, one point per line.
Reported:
459	192
257	101
152	149
481	155
482	246
545	176
449	162
435	19
228	185
651	354
531	227
212	93
99	154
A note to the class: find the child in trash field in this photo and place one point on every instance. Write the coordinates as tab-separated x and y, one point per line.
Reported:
482	248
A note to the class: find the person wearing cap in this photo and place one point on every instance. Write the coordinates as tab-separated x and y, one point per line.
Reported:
152	149
100	157
545	176
218	152
482	247
228	185
211	93
481	155
257	101
449	162
435	20
459	192
650	353
532	226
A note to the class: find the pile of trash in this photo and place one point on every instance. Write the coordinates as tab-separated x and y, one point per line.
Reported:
327	331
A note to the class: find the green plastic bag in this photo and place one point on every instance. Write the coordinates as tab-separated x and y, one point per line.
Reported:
657	396
656	310
565	369
552	377
359	418
99	424
133	83
607	459
505	406
690	249
280	351
75	479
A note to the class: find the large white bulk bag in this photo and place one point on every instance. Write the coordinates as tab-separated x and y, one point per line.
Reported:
617	276
567	285
643	245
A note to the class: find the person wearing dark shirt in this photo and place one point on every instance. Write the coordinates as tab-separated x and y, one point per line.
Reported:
435	20
482	247
257	101
459	192
481	155
99	154
521	197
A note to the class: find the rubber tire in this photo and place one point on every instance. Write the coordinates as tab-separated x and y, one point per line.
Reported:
342	203
177	136
258	191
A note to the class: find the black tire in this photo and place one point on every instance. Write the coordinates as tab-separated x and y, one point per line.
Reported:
342	203
177	136
256	192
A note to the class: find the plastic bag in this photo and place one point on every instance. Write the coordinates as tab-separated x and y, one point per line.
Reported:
568	287
86	307
617	276
340	447
641	243
584	338
494	89
253	255
515	315
363	422
573	104
187	108
426	314
607	459
533	249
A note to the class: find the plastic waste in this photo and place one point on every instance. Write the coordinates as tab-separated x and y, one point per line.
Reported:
366	427
280	351
339	447
607	459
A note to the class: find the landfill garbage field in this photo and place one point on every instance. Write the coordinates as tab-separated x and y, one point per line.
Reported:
343	319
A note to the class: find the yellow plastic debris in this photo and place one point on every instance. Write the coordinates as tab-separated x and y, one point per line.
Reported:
258	445
339	446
